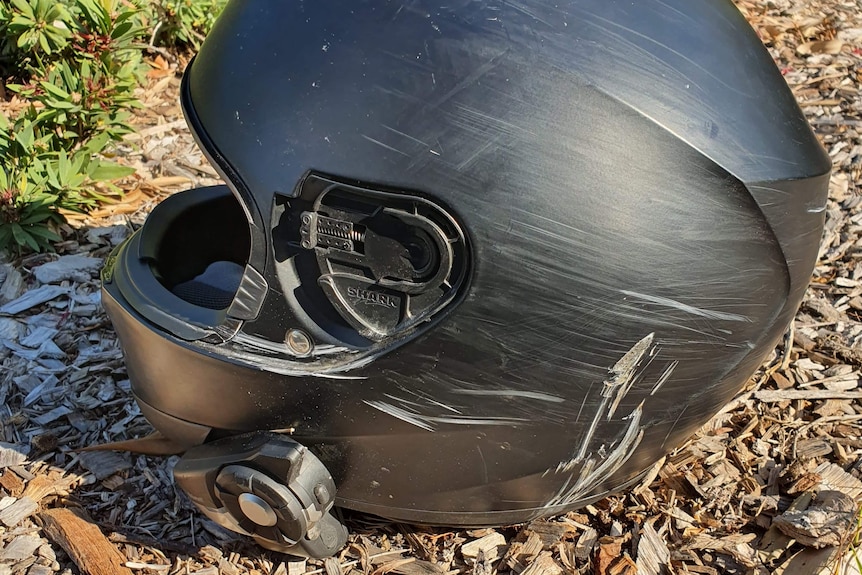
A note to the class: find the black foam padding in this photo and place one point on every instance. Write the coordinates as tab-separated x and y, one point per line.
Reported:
213	289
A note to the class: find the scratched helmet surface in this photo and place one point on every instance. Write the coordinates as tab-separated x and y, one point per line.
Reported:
485	261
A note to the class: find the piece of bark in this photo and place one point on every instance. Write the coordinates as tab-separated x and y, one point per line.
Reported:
18	511
492	546
157	567
811	448
833	477
227	567
521	553
544	564
12	455
21	566
585	544
774	542
771	395
676	480
609	549
735	545
823	523
773	545
103	464
20	548
624	566
11	483
417	567
40	570
804	483
83	542
566	552
653	554
332	566
33	298
390	566
75	268
42	485
551	532
809	561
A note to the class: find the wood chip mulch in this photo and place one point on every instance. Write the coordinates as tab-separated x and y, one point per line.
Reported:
770	485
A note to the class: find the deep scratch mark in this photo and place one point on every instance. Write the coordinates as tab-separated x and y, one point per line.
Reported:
379	143
664	376
408	136
667	302
428	422
593	472
623	373
538	396
620	375
401	414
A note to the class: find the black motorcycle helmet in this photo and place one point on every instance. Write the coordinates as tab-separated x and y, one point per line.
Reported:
475	263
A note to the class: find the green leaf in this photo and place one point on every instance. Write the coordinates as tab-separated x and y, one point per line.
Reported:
70	79
56	91
5	235
44	201
64	167
22	238
45	233
121	29
103	171
53	179
25	40
61	105
24	7
25	138
43	42
35	218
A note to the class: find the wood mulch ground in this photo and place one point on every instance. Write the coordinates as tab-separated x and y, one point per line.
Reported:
770	485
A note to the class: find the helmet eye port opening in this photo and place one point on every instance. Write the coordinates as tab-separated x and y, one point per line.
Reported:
201	250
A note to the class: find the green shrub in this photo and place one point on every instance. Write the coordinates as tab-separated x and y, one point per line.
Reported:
76	64
182	22
26	210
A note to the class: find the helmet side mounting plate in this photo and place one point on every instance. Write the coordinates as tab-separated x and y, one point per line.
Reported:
384	260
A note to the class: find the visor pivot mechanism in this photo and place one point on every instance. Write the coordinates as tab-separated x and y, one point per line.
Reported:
326	232
387	261
268	486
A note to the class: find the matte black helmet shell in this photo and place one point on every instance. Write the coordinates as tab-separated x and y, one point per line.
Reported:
486	261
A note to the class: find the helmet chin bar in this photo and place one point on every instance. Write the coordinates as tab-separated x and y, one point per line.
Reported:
268	486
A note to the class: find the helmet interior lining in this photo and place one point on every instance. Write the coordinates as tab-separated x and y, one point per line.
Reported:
202	250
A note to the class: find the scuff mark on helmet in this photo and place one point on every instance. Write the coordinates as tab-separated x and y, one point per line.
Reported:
615	388
428	423
689	309
593	472
603	460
